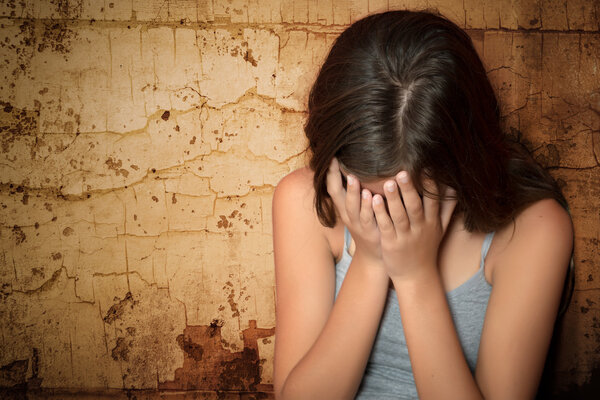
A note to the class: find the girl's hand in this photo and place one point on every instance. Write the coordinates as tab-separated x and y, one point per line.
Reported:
411	233
355	210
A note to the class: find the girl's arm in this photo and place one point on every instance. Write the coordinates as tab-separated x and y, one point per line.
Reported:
321	348
527	281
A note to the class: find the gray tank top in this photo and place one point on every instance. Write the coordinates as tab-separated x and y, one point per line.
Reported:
388	374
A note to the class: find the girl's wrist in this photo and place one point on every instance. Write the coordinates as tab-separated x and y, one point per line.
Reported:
367	256
425	276
370	262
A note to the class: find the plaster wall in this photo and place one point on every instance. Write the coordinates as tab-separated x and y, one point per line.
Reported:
140	145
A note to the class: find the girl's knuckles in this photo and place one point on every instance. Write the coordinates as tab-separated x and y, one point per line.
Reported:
365	224
414	209
388	245
399	220
364	215
383	228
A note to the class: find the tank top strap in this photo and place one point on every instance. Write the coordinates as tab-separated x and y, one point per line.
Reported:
485	247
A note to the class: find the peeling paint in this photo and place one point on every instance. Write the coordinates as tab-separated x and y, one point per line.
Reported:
116	310
121	350
209	366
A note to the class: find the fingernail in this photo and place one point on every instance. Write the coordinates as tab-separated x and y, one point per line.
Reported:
389	186
365	194
377	199
350	180
403	176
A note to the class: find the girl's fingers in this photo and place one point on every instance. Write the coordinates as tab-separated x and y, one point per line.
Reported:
412	200
367	219
431	205
353	201
336	189
447	206
385	224
395	206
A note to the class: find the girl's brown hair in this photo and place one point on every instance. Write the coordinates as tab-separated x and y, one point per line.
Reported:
406	90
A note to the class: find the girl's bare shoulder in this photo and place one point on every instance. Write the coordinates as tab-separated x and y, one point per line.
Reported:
548	218
293	201
542	231
296	184
294	196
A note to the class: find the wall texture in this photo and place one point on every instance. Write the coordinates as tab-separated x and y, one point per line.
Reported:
141	141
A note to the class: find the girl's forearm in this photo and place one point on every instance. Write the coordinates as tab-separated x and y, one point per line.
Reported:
334	366
438	363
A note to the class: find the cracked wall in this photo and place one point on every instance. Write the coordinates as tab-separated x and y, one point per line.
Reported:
140	145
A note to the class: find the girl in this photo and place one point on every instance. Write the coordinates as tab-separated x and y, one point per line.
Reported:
421	254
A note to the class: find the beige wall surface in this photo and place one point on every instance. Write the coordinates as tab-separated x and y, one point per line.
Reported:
141	141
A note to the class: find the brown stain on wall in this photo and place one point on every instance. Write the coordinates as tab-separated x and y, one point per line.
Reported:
207	365
17	121
14	373
18	234
226	221
117	310
248	57
57	36
116	166
14	376
37	36
121	351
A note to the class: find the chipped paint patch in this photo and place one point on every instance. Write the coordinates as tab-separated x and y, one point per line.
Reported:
208	365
